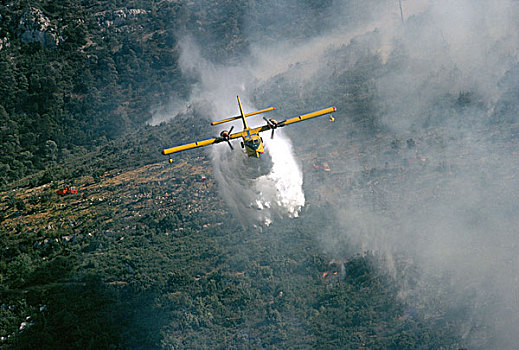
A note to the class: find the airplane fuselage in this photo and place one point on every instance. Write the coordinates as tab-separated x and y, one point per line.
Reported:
253	144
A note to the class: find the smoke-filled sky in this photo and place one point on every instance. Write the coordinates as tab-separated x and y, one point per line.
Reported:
446	77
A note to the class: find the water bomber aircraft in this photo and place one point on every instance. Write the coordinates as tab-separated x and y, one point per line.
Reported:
251	140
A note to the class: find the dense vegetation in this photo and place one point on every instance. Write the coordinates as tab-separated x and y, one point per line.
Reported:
147	255
76	74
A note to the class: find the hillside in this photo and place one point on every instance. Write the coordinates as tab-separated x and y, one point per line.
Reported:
150	257
395	227
76	74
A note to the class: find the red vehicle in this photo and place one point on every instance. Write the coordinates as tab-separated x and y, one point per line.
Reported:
67	190
321	165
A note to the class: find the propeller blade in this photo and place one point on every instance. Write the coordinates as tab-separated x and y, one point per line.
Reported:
272	135
225	136
229	142
272	124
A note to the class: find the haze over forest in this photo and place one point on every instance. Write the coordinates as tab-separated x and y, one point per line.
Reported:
409	241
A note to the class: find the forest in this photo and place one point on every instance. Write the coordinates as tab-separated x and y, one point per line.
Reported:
150	255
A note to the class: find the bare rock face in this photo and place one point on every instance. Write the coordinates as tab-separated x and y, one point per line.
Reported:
34	27
119	18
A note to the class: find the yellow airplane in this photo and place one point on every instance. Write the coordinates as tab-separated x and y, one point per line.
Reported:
252	141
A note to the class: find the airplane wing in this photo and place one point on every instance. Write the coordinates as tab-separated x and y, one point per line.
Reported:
192	145
250	131
202	143
299	118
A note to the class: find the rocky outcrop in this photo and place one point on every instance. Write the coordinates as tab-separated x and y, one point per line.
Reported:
34	26
118	17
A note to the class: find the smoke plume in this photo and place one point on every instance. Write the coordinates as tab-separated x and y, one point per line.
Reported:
432	185
437	190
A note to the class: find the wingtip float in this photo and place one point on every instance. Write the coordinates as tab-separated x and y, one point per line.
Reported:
251	139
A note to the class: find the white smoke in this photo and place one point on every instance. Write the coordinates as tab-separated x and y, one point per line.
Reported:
454	219
256	190
456	225
167	112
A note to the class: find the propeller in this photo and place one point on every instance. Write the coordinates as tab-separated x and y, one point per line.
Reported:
272	124
226	136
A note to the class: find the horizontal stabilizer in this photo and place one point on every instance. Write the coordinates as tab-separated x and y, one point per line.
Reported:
246	115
